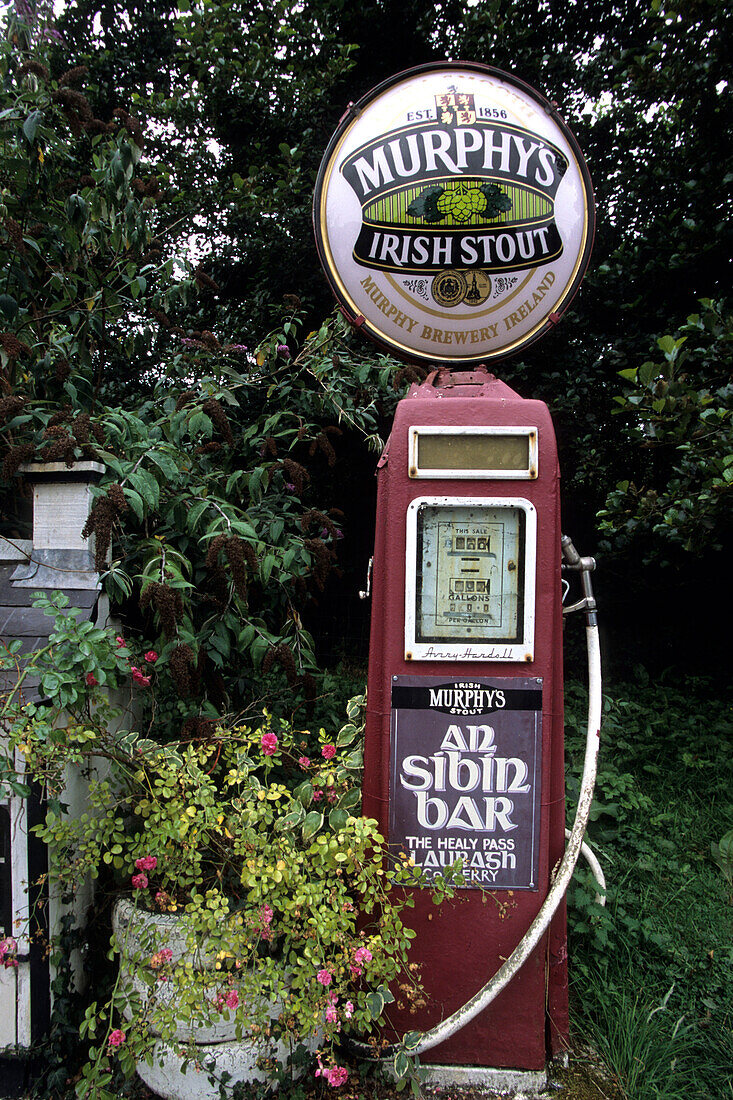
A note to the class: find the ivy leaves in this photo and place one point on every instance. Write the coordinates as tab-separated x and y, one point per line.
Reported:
425	206
497	201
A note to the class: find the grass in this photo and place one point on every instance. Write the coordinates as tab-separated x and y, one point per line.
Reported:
652	975
650	1059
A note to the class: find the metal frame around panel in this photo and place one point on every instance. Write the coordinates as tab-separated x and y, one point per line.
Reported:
466	651
416	430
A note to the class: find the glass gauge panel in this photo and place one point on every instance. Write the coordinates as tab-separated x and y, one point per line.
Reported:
472	452
470	573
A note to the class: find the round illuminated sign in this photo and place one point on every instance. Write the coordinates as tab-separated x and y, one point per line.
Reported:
453	214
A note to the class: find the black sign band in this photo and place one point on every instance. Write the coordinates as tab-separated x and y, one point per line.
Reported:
494	249
466	698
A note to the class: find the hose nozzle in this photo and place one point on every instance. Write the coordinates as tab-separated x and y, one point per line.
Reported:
574	563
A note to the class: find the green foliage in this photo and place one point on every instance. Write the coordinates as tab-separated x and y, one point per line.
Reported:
214	457
239	123
722	853
285	896
117	346
245	98
679	411
650	1054
663	800
78	251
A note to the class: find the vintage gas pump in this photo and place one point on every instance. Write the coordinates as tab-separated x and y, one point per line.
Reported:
454	220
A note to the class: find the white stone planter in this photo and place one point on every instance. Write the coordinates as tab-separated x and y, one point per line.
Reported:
167	1078
140	935
210	1038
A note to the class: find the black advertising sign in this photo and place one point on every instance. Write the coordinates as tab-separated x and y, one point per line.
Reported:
465	777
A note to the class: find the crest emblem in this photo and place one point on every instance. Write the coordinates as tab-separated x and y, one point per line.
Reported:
456	108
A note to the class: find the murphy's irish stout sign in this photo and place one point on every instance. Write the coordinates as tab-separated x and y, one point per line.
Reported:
453	213
465	777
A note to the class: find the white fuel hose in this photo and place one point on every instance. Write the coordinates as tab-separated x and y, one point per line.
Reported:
592	860
561	880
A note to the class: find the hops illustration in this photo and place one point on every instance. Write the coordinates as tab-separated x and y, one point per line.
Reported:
460	202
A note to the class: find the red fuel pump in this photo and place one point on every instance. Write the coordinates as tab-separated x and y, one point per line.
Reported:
464	736
454	220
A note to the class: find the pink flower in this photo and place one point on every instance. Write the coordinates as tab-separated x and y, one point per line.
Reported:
116	1038
328	752
160	958
363	955
139	677
91	680
304	761
348	1010
151	656
140	881
331	1014
284	350
8	951
336	1075
266	914
269	744
121	643
332	795
146	863
317	795
230	1000
325	977
356	971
